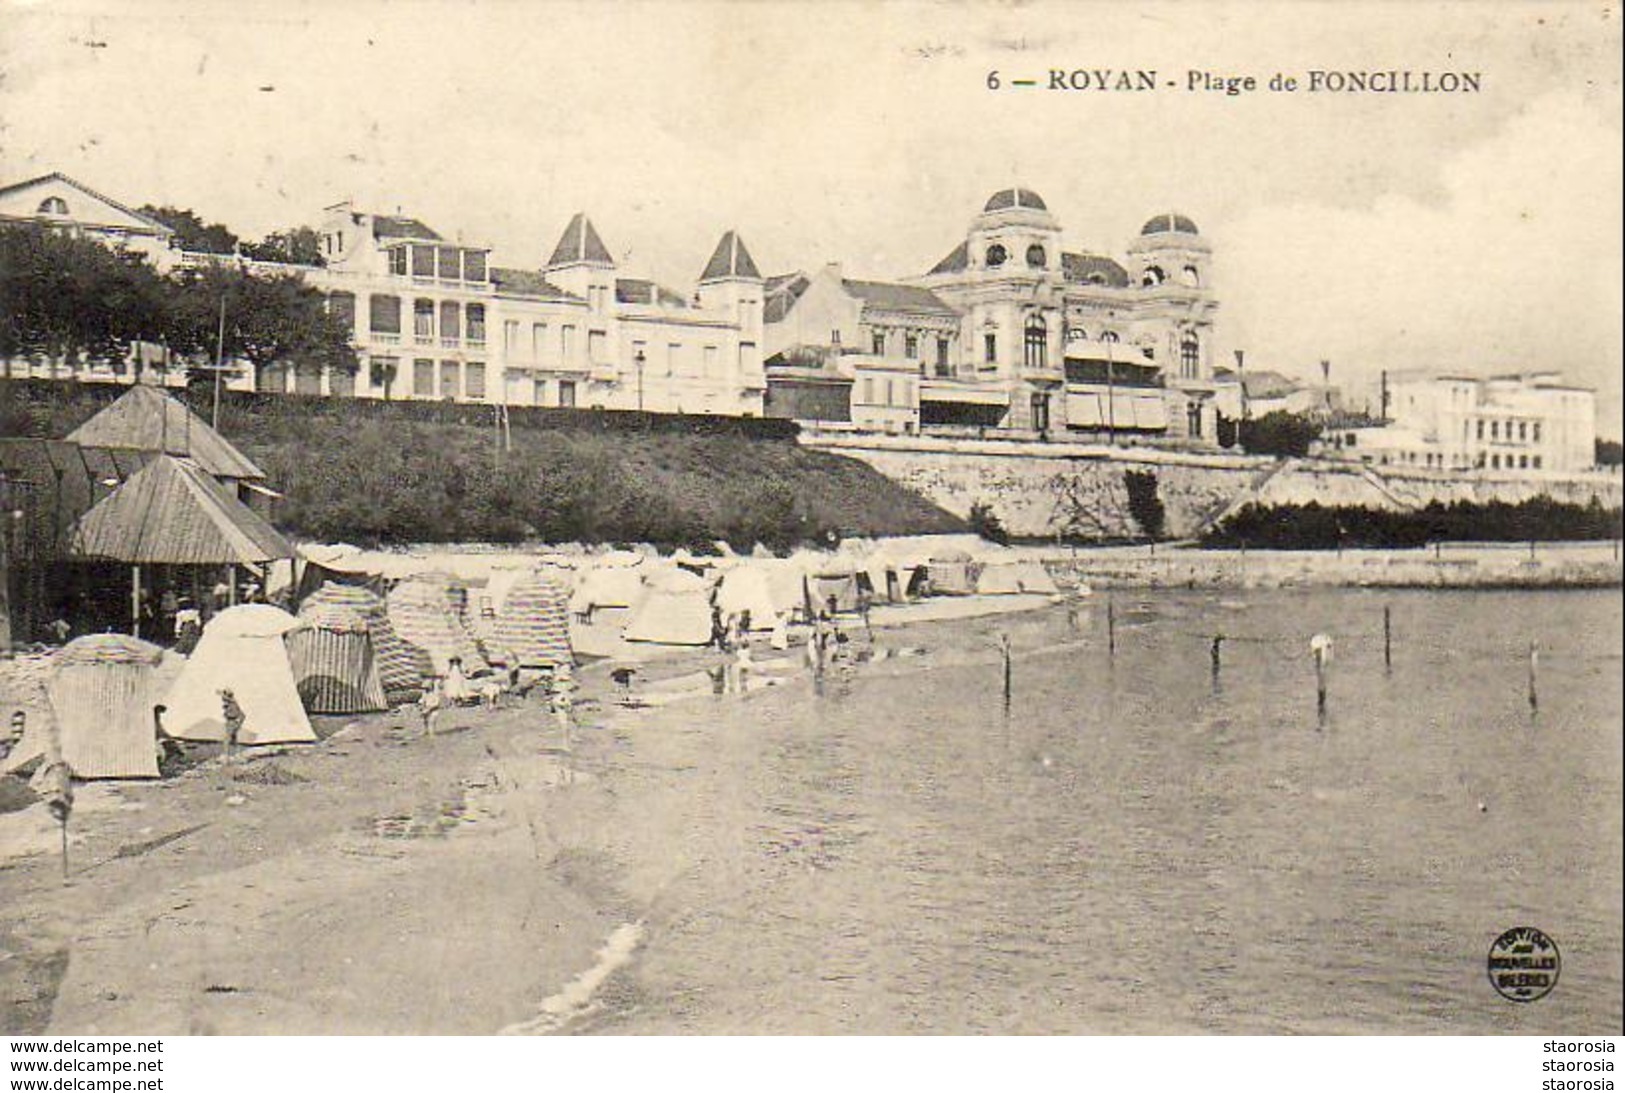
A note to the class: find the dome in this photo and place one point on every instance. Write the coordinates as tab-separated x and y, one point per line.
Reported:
1169	222
1012	199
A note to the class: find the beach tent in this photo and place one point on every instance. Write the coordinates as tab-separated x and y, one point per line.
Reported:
102	690
1033	577
745	587
422	613
241	650
998	580
608	586
952	573
833	579
675	610
401	668
335	668
535	623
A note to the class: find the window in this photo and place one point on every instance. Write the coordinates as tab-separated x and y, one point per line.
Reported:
422	261
1110	337
1495	462
990	348
1193	419
996	256
473	265
869	390
451	264
1523	430
1535	462
942	356
451	320
538	340
911	346
54	206
877	343
341	383
567	393
1190	355
538	392
397	261
1036	342
1036	256
674	359
1041	411
1535	429
1481	428
1523	462
710	361
835	338
1152	277
381	372
385	314
597	346
449	380
747	356
1191	276
423	318
474	379
1495	430
423	378
476	324
510	336
567	342
341	305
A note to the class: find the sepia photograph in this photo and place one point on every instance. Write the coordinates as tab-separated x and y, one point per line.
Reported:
715	518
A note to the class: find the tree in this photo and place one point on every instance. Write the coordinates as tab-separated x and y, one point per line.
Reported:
191	233
296	246
1280	433
63	299
269	320
1143	503
1610	453
985	522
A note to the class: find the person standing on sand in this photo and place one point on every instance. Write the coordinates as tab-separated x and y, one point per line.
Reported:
232	714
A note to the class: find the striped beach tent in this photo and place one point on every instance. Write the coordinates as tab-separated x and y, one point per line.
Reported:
334	667
102	689
422	613
401	668
534	623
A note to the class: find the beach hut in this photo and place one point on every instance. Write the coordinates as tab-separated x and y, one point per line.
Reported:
102	691
746	589
335	668
833	581
952	573
675	610
242	650
401	668
535	623
422	614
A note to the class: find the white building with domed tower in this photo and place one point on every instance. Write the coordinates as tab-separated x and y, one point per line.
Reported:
1015	331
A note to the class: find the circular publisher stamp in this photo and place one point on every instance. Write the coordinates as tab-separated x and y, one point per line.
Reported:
1524	964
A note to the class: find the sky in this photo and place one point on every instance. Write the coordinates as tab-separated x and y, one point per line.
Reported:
1469	232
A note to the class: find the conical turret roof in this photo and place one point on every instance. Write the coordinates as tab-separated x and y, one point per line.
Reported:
580	243
730	259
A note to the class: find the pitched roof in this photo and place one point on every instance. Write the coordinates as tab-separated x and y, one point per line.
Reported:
1093	269
57	176
956	260
780	293
633	290
886	296
171	512
527	282
146	419
402	227
580	243
730	259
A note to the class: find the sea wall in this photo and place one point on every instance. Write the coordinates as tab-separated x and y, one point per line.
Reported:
1055	489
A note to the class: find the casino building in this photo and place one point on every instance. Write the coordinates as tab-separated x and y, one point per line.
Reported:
1012	331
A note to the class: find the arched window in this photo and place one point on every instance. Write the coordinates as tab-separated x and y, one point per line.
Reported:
54	206
1190	355
996	256
1036	256
1036	342
1192	276
1110	336
1152	277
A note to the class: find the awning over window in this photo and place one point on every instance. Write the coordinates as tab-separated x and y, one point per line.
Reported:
963	393
1087	408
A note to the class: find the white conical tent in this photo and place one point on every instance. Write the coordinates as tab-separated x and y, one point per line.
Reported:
746	589
676	610
242	651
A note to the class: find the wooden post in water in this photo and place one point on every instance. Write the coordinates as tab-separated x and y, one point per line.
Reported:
1387	637
1111	627
1321	646
1534	668
1213	652
1004	648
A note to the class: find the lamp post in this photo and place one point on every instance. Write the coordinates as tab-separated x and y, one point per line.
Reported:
640	360
1241	379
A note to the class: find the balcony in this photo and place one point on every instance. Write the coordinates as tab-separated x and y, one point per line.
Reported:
379	338
450	343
